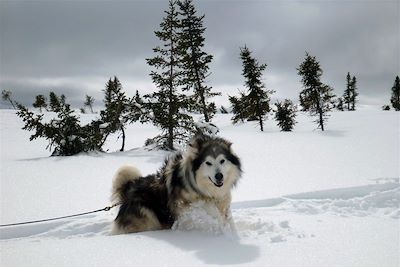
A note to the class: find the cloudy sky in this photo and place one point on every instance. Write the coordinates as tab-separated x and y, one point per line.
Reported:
74	47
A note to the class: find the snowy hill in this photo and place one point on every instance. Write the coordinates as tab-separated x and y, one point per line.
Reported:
306	198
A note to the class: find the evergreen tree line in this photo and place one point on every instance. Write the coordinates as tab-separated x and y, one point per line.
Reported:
349	98
180	71
66	134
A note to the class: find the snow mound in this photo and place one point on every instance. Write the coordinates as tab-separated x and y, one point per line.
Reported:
381	203
207	128
255	224
203	217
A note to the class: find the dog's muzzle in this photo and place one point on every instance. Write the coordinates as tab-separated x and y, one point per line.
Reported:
219	180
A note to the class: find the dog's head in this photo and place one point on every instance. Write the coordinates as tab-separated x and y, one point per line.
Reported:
215	167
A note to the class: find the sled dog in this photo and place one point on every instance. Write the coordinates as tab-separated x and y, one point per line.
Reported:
206	171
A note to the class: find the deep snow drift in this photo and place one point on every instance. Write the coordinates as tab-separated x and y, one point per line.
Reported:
306	198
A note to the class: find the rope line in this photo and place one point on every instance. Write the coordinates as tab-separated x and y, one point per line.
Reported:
63	217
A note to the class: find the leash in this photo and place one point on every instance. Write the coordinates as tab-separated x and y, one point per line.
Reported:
63	217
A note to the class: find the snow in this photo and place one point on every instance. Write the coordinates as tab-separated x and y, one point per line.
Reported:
205	218
306	198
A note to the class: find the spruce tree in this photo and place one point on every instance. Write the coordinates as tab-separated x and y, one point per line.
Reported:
116	105
339	105
40	102
54	102
316	97
395	98
138	98
89	100
6	96
62	99
136	110
285	115
303	98
195	61
350	94
347	95
64	133
239	107
168	103
354	93
258	96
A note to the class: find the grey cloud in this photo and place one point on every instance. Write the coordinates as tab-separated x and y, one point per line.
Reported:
83	43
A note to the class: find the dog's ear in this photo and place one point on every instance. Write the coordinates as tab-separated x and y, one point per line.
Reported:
224	142
197	142
227	143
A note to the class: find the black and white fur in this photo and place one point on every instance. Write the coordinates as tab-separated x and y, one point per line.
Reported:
207	171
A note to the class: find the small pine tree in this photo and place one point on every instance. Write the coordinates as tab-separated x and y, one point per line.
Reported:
316	97
62	100
339	105
40	102
354	93
6	96
303	98
89	100
65	135
258	96
54	102
116	106
347	95
167	105
135	110
395	98
239	107
195	62
285	115
138	98
350	94
223	110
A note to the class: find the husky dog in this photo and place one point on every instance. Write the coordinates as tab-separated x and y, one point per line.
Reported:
206	171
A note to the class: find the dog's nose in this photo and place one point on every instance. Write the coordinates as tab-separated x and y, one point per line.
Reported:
219	176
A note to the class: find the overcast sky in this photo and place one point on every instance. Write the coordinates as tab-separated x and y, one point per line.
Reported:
74	47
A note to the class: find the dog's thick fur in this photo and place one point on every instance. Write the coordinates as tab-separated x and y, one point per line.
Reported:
207	171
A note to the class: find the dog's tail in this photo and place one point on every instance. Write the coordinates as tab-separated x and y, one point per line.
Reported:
123	177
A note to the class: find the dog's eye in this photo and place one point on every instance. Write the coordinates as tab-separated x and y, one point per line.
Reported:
222	161
208	163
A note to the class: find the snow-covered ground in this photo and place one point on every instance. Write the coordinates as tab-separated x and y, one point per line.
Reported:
306	198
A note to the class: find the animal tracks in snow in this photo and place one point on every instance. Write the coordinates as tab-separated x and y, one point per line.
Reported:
268	219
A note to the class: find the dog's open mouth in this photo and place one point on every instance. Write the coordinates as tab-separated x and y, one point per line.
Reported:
217	184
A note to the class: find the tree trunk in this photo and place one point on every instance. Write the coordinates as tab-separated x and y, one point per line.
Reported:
200	90
204	106
321	120
259	113
170	142
321	113
261	123
123	139
11	103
